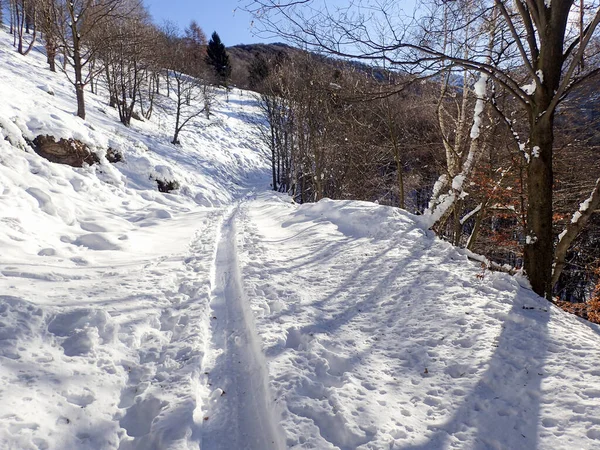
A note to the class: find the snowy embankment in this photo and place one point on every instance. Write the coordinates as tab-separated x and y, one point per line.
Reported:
380	336
222	316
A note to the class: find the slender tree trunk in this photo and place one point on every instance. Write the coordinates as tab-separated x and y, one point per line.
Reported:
572	230
26	52
79	85
475	233
178	113
92	64
20	16
51	53
77	66
112	92
273	148
80	100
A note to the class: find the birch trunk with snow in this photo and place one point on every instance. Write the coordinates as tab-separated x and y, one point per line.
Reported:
450	186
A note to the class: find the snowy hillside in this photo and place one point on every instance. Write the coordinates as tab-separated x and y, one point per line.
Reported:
223	316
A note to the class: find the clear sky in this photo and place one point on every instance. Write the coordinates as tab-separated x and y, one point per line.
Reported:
233	26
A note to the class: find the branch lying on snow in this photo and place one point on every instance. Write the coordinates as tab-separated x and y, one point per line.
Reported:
490	265
578	221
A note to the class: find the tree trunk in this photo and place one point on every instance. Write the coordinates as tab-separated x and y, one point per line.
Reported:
19	14
175	140
538	250
80	100
78	68
572	230
51	54
273	149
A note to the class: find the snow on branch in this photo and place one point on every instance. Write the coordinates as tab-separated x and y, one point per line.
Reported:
578	221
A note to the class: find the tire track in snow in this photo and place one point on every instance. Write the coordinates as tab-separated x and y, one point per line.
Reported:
239	413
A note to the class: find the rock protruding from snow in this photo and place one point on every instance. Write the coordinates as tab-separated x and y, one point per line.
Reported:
71	152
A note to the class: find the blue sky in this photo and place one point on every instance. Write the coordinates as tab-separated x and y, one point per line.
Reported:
211	15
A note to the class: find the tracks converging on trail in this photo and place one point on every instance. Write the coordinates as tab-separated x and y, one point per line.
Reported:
198	369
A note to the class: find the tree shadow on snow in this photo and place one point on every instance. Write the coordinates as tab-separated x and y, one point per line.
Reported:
503	408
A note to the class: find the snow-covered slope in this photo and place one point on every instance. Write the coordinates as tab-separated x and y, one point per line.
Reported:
223	316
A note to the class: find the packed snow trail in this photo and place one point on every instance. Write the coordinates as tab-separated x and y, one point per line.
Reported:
239	413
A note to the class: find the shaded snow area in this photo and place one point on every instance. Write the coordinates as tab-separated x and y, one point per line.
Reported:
223	316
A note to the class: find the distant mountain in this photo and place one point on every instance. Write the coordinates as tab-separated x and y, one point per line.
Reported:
242	55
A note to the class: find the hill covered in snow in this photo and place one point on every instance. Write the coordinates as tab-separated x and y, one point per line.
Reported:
224	316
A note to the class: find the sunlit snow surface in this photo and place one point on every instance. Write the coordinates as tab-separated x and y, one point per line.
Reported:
223	316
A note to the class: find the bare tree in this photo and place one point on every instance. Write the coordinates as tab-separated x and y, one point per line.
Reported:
47	20
185	79
127	58
78	27
23	15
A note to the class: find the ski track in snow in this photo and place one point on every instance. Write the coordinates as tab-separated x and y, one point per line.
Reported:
239	413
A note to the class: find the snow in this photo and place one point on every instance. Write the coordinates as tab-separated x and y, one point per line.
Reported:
471	213
561	235
480	92
529	89
386	337
224	316
458	181
530	239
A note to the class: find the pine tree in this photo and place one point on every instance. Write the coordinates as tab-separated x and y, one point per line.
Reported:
217	57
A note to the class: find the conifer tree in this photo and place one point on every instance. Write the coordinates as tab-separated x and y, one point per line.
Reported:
218	59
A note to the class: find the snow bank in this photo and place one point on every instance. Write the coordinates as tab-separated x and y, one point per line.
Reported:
381	336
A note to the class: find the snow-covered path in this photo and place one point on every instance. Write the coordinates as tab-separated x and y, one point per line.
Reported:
239	414
267	325
380	336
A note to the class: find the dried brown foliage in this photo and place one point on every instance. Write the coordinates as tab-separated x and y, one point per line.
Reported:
589	310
